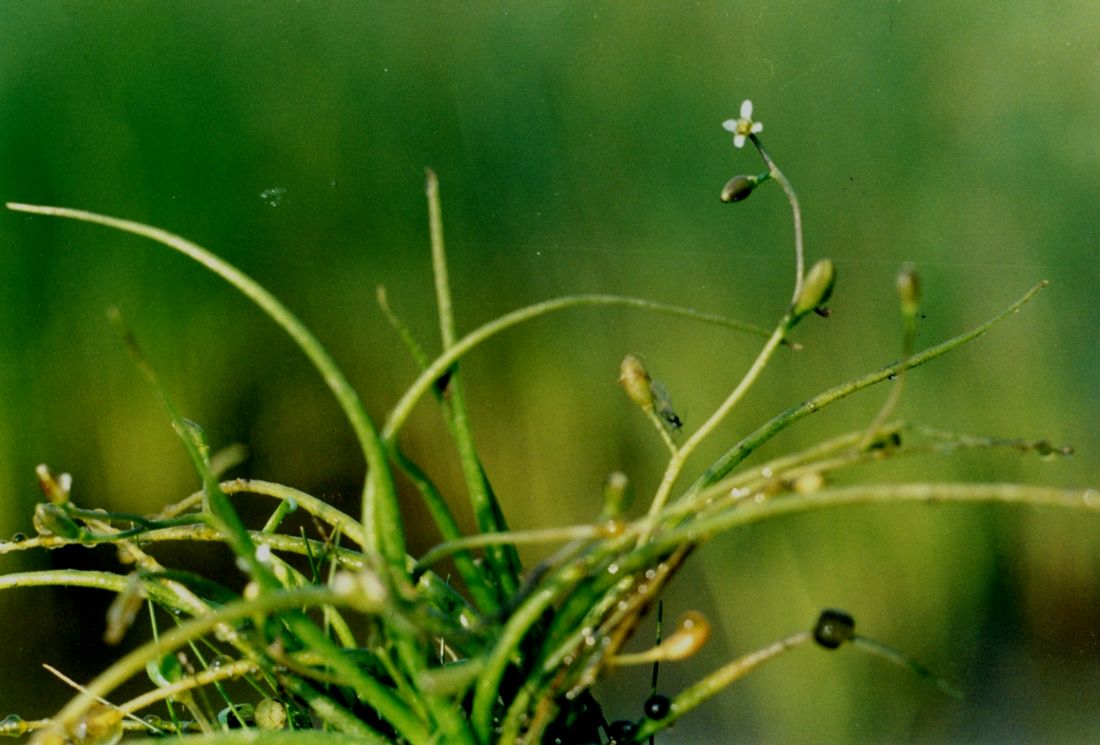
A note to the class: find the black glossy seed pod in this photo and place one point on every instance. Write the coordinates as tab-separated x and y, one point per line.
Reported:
621	730
833	628
657	706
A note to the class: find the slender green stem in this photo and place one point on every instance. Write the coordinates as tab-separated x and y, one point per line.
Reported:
909	335
716	682
502	559
92	579
219	508
515	537
731	458
439	261
250	737
487	690
235	669
401	411
320	509
676	462
796	211
476	578
744	513
892	655
135	661
380	513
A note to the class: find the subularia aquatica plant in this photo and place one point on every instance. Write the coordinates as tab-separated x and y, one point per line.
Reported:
347	637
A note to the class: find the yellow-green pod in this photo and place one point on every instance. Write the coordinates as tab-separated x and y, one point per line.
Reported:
635	380
816	289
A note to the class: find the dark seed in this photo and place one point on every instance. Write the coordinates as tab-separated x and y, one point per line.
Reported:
833	628
657	706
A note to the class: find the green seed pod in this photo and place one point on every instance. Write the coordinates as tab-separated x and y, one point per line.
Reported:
816	289
635	380
617	495
833	628
909	290
49	519
271	715
101	725
738	188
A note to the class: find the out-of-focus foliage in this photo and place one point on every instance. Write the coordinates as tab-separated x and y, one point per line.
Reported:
580	149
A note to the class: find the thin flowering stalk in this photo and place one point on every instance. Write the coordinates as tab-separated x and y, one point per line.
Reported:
679	458
746	128
796	212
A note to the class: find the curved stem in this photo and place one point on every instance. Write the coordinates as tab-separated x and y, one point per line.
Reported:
401	411
676	462
732	457
745	513
134	662
721	678
796	211
380	512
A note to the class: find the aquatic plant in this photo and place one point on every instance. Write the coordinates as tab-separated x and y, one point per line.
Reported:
342	635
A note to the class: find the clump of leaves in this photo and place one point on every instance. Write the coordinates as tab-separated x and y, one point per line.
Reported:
347	637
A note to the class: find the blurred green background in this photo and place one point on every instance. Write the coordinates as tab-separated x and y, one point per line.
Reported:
579	149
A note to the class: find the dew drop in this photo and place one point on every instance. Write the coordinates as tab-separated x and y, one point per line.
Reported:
102	725
13	726
19	538
759	498
766	472
739	492
622	605
613	569
650	573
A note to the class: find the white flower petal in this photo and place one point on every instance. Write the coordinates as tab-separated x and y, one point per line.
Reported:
757	127
730	125
746	109
738	140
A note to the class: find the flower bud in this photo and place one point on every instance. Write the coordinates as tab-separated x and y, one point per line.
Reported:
635	380
49	519
57	488
816	288
909	290
617	495
738	188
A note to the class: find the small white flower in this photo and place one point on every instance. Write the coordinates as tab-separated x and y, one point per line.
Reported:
744	126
